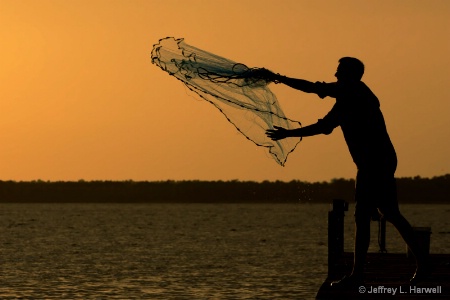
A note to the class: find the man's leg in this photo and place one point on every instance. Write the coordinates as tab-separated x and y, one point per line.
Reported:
407	233
388	207
362	241
363	211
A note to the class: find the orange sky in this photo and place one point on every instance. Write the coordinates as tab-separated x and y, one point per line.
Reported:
80	99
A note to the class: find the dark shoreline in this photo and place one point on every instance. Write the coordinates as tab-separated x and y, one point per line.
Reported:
410	190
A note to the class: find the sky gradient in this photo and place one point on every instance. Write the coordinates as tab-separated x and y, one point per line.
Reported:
80	99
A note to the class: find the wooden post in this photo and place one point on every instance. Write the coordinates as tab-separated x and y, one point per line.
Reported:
336	233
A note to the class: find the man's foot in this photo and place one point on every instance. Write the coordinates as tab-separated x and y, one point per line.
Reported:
423	272
348	282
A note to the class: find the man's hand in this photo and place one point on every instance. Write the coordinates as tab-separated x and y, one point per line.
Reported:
278	133
321	86
265	74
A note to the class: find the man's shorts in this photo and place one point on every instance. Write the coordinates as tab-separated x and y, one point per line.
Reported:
375	190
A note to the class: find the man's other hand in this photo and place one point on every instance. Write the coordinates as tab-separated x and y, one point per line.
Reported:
278	133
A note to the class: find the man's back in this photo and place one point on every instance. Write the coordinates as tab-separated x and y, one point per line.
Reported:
357	111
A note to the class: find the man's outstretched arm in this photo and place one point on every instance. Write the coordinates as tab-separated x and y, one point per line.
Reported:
280	133
319	88
298	84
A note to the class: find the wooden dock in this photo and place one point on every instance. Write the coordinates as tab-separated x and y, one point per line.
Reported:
386	274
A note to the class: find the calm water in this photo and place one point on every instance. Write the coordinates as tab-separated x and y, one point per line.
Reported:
178	251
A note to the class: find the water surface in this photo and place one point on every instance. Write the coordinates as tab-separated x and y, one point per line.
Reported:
177	251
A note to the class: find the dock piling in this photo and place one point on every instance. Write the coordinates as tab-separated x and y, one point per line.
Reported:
336	233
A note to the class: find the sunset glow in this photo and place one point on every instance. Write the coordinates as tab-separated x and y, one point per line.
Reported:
80	99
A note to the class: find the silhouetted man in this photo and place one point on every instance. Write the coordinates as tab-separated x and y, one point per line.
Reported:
357	111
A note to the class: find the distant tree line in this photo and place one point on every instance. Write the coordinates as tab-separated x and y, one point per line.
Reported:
410	190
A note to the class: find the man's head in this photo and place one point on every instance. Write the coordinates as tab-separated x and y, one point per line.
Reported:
349	68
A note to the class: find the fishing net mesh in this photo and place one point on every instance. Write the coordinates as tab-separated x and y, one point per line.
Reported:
240	93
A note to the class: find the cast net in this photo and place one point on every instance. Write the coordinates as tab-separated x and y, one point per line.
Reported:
240	93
